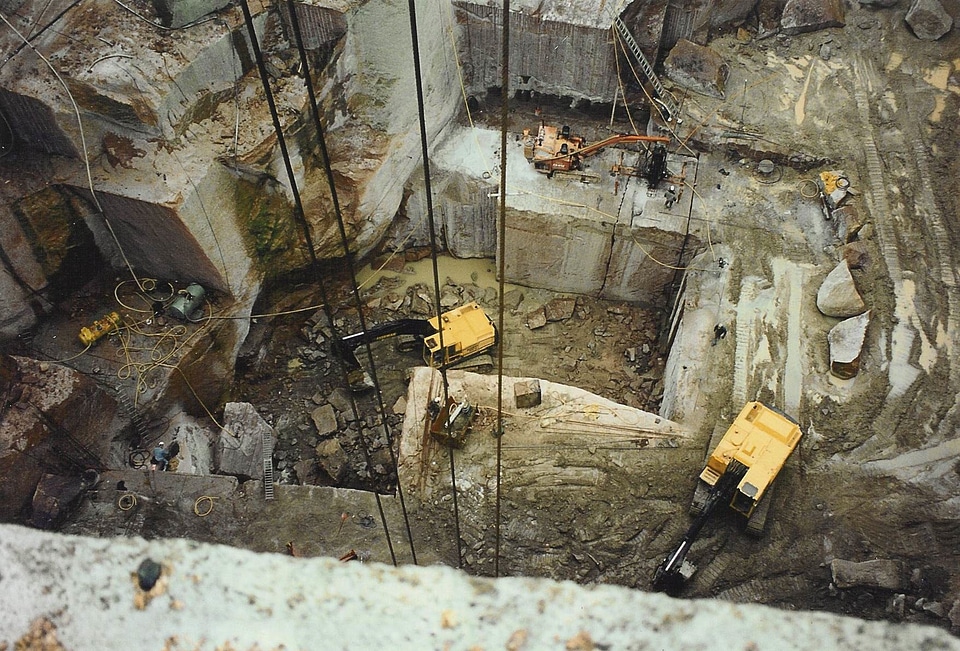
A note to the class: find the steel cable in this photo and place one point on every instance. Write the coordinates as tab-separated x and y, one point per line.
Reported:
300	216
308	81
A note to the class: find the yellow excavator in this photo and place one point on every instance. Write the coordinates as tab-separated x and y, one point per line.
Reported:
467	331
739	471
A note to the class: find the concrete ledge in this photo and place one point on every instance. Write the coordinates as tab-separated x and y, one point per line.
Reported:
217	597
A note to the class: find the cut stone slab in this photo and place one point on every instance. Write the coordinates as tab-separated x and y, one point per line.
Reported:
560	309
332	459
846	345
527	393
880	573
838	295
698	68
240	448
801	16
928	20
325	418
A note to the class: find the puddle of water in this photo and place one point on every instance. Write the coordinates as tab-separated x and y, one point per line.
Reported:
939	76
479	271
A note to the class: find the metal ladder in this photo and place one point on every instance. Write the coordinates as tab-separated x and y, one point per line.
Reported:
267	466
661	92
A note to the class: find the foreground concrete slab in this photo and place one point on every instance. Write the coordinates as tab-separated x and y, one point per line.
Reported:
84	593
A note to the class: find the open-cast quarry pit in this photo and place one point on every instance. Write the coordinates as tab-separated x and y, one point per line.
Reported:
797	248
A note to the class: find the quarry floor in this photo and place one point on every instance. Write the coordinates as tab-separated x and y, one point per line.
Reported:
852	491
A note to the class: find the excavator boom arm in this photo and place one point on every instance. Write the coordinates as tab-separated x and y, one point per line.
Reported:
619	139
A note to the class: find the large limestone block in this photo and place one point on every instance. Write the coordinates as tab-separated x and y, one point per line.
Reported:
928	19
698	68
846	344
879	573
800	16
240	449
838	295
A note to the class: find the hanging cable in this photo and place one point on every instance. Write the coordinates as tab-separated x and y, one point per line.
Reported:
421	113
348	256
502	236
301	218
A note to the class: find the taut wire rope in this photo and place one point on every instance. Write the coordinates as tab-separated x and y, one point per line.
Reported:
421	114
348	256
501	250
300	216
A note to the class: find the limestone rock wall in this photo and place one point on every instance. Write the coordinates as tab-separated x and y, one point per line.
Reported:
546	55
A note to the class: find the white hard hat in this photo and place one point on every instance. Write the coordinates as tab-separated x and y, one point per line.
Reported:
160	444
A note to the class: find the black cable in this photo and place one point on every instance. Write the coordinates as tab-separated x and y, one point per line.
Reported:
300	215
412	9
504	114
295	21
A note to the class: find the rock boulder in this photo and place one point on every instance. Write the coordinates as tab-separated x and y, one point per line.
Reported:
560	309
838	295
846	345
698	68
928	19
800	16
332	459
880	573
325	419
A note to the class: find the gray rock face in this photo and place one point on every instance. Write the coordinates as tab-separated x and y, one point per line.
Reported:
880	573
325	418
698	68
240	448
846	344
838	295
800	16
928	19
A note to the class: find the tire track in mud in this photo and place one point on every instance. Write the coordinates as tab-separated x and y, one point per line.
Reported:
877	197
765	590
932	218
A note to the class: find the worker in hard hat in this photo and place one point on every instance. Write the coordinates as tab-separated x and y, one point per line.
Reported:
160	457
670	196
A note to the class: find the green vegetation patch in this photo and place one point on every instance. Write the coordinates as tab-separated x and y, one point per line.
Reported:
270	230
